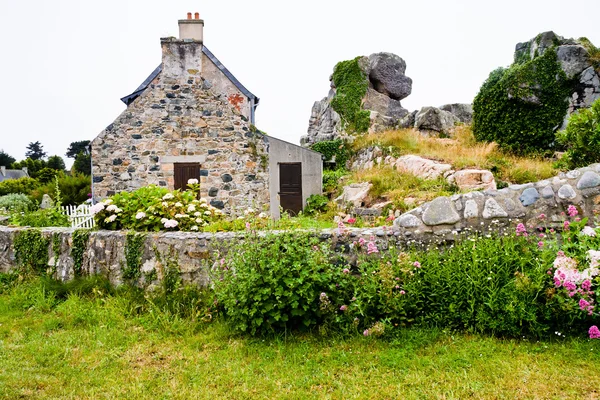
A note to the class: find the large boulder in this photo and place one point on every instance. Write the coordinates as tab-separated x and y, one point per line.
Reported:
354	194
434	119
473	179
386	75
464	112
386	86
423	167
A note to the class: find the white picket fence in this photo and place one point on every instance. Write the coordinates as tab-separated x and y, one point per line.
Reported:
80	216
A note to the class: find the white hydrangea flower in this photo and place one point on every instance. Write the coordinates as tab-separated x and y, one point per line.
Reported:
178	204
197	214
168	196
110	219
192	181
96	208
194	228
191	208
170	223
140	215
588	231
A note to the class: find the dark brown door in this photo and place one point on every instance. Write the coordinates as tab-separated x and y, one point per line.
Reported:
290	187
184	172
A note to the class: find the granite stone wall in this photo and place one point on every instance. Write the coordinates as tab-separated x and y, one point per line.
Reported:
497	209
178	118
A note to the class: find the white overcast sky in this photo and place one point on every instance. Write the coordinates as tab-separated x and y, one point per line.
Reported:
66	63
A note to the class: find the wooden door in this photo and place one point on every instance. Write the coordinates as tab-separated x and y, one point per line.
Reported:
184	172
290	187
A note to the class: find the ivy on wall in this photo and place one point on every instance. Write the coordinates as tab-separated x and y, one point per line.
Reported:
333	148
522	106
80	240
351	86
133	256
31	250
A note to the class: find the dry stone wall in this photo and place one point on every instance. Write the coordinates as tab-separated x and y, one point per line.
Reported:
498	209
179	119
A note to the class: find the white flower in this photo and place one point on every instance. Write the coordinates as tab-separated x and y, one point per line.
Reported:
168	196
112	207
96	208
240	217
178	204
199	220
191	208
588	231
108	201
206	212
249	211
197	214
194	228
170	223
179	216
163	220
192	181
262	215
203	200
165	204
110	219
140	215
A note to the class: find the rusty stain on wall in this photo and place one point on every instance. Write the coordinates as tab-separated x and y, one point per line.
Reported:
235	100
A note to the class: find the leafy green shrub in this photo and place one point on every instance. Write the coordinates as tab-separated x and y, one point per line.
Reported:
74	189
333	148
520	107
331	179
582	137
351	86
153	208
41	218
316	203
262	293
21	185
16	203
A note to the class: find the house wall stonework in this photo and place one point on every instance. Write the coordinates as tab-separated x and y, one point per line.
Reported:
178	118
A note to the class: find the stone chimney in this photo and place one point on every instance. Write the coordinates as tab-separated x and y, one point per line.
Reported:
191	28
3	170
182	58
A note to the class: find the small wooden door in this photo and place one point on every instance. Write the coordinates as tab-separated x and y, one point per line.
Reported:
184	172
290	187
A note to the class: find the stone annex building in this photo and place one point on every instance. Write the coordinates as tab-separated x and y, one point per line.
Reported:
191	118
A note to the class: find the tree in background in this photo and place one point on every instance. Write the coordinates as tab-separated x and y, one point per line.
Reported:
82	164
78	147
5	159
35	151
56	163
81	153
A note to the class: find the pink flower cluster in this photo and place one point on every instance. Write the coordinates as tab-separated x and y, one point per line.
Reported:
521	230
572	210
372	248
594	332
574	281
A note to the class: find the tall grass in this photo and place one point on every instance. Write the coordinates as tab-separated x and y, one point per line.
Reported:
462	151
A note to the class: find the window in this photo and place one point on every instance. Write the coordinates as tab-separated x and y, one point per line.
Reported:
185	172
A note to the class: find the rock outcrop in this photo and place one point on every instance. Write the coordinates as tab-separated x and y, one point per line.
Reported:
387	83
574	59
435	119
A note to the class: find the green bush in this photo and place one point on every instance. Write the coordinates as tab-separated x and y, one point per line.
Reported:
316	203
263	293
153	208
74	189
331	179
21	185
582	137
505	109
41	218
333	148
16	203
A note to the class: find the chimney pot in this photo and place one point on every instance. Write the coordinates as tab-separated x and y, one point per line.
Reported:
189	15
197	16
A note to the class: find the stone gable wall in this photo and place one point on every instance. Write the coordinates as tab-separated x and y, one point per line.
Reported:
178	118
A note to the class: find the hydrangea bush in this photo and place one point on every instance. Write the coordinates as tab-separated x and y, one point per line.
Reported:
154	208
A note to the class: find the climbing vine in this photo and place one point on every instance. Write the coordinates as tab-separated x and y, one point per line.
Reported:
56	244
133	255
31	250
351	86
521	107
80	240
333	148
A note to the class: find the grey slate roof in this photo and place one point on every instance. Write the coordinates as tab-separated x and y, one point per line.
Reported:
12	174
131	97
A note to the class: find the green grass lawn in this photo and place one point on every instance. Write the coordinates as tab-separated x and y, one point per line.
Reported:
98	347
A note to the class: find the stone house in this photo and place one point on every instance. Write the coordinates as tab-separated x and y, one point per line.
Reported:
6	174
191	118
